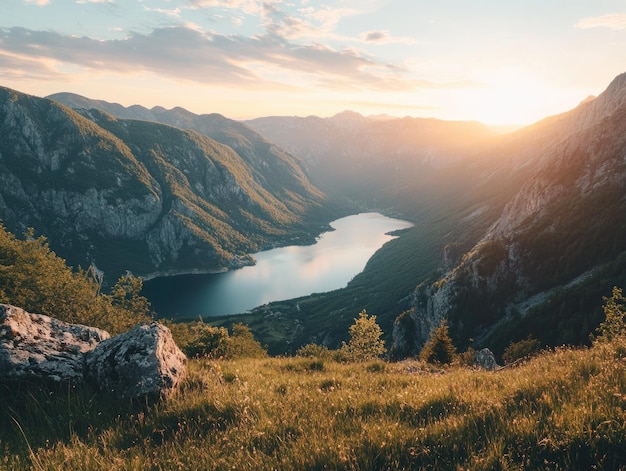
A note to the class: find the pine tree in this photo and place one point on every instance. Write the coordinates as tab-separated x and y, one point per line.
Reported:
365	339
439	348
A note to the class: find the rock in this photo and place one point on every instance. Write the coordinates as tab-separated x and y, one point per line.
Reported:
144	361
486	360
38	347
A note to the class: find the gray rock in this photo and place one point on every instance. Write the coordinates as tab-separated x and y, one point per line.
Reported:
144	361
486	360
36	347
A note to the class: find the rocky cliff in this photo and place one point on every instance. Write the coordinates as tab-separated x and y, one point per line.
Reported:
145	197
558	242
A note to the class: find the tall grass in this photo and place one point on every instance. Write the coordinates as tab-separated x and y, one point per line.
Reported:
565	409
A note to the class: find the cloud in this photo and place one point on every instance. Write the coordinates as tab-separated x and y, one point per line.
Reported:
375	36
174	13
308	22
206	57
247	6
612	21
18	68
383	37
39	3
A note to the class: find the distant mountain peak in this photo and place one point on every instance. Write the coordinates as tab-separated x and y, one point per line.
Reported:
589	99
347	115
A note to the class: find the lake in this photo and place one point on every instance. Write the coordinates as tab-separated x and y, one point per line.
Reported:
279	274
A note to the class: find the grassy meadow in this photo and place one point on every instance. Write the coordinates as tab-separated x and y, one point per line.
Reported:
564	409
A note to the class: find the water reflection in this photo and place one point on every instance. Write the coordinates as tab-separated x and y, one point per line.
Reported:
281	273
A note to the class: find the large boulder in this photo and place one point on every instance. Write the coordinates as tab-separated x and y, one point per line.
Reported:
144	361
38	347
485	359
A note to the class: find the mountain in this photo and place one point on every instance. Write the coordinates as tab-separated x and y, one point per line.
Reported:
557	245
377	160
250	145
515	235
146	197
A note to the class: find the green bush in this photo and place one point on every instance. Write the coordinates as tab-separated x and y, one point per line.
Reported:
526	348
34	278
314	350
241	344
614	324
197	339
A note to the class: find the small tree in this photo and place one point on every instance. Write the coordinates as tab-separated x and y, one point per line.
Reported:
127	294
439	348
365	339
614	324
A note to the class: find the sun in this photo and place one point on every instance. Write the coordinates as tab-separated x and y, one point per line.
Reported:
511	97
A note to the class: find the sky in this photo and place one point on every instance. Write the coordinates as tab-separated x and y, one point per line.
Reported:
496	61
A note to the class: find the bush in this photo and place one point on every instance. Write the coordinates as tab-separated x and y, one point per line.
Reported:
197	339
314	350
241	344
365	339
439	348
468	357
34	278
614	325
526	348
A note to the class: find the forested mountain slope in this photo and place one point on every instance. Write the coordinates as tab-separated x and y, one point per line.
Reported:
145	197
557	245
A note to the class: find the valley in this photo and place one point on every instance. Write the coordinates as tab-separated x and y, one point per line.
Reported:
498	219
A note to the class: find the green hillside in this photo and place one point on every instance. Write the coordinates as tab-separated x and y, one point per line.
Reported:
565	409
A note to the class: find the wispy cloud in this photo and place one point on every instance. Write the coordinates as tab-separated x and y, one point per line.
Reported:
383	37
13	67
247	6
611	21
205	57
317	24
174	12
40	3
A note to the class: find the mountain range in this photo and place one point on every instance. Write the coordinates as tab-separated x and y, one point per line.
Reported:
122	194
556	246
515	235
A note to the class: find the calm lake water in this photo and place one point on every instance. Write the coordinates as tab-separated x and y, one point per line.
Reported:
279	274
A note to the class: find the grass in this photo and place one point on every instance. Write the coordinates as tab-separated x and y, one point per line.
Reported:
565	409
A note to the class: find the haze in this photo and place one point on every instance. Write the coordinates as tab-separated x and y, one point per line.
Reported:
497	62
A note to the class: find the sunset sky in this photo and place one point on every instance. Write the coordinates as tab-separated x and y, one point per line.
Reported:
500	62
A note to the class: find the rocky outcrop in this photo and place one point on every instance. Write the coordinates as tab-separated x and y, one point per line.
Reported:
36	347
563	217
143	362
486	360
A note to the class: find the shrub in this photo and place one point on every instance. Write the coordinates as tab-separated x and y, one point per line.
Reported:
314	350
34	278
439	348
523	349
614	325
365	339
197	339
241	344
468	357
